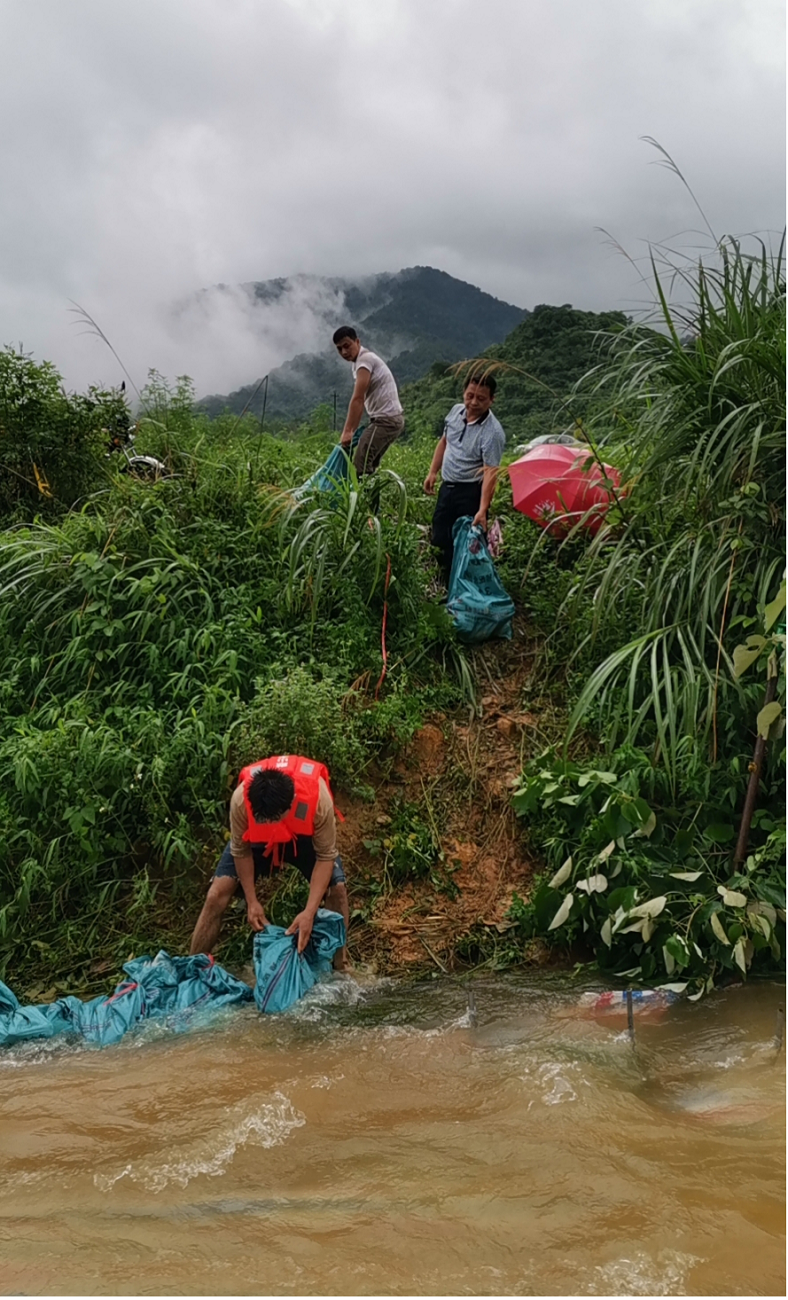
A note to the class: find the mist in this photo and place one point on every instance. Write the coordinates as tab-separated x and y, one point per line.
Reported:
156	151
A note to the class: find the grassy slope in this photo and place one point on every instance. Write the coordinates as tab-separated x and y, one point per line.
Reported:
160	636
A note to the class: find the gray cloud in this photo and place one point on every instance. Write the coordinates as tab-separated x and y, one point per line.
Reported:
154	147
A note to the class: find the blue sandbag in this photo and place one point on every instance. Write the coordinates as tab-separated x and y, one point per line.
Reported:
282	975
182	989
479	605
335	470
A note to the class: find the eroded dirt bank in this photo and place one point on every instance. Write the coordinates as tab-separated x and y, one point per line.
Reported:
457	775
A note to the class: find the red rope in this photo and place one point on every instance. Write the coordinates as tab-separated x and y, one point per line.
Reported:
383	628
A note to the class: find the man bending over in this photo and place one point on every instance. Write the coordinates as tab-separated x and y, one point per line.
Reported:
282	811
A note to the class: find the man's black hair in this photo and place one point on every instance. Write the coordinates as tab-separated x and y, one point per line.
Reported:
482	381
270	794
344	332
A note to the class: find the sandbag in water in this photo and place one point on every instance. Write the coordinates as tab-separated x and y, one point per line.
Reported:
283	975
182	989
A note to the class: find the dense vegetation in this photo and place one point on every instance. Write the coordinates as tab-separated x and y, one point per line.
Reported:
538	366
156	636
160	635
675	620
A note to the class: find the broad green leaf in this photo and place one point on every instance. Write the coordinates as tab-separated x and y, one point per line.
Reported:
606	933
686	875
744	658
676	946
673	988
717	927
732	897
667	957
767	716
593	884
648	827
739	957
607	778
719	832
775	608
562	912
604	854
763	924
563	873
763	909
652	907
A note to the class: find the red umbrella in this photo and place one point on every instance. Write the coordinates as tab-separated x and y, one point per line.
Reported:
556	485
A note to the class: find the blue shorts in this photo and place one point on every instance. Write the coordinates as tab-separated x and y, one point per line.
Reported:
301	856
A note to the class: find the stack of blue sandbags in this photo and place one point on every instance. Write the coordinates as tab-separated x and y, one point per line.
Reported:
183	992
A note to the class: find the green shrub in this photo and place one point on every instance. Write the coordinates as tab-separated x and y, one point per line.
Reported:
643	881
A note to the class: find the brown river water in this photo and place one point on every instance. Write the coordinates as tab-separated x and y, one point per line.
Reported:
381	1139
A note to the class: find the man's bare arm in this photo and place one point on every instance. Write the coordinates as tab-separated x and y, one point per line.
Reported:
321	879
244	869
488	488
356	408
435	466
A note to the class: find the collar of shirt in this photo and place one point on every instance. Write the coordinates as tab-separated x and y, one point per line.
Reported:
466	422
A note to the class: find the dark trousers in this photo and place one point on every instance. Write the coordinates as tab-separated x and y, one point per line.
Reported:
454	501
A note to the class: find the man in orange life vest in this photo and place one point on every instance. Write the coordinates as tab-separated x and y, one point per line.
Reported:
282	811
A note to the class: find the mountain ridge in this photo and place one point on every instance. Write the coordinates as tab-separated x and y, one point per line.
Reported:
414	318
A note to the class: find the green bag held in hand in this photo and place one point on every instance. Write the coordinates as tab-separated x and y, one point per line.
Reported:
333	472
477	602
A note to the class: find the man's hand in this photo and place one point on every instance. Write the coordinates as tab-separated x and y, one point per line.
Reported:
346	439
303	924
429	484
480	519
256	916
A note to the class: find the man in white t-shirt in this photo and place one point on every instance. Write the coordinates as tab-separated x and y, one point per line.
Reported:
375	390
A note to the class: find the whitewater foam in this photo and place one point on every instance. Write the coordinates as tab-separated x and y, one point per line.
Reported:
269	1124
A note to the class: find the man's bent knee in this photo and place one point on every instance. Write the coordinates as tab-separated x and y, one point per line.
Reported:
220	892
336	897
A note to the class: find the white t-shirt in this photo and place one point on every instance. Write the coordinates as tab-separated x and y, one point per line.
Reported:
382	399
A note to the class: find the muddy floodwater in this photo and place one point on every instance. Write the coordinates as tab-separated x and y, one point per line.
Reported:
382	1139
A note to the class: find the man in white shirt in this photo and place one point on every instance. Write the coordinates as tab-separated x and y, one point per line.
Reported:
375	390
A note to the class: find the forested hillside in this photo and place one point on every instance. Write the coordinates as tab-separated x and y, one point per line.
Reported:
413	319
542	358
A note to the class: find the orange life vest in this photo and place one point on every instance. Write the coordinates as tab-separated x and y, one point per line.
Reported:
306	774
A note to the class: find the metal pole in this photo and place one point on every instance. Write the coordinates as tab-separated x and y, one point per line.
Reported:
265	402
262	421
755	777
780	1032
630	1017
335	410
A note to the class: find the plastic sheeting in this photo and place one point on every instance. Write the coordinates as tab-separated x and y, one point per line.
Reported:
282	976
183	992
477	602
335	470
182	989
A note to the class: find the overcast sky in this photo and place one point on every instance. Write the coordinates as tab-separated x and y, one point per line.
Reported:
153	147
